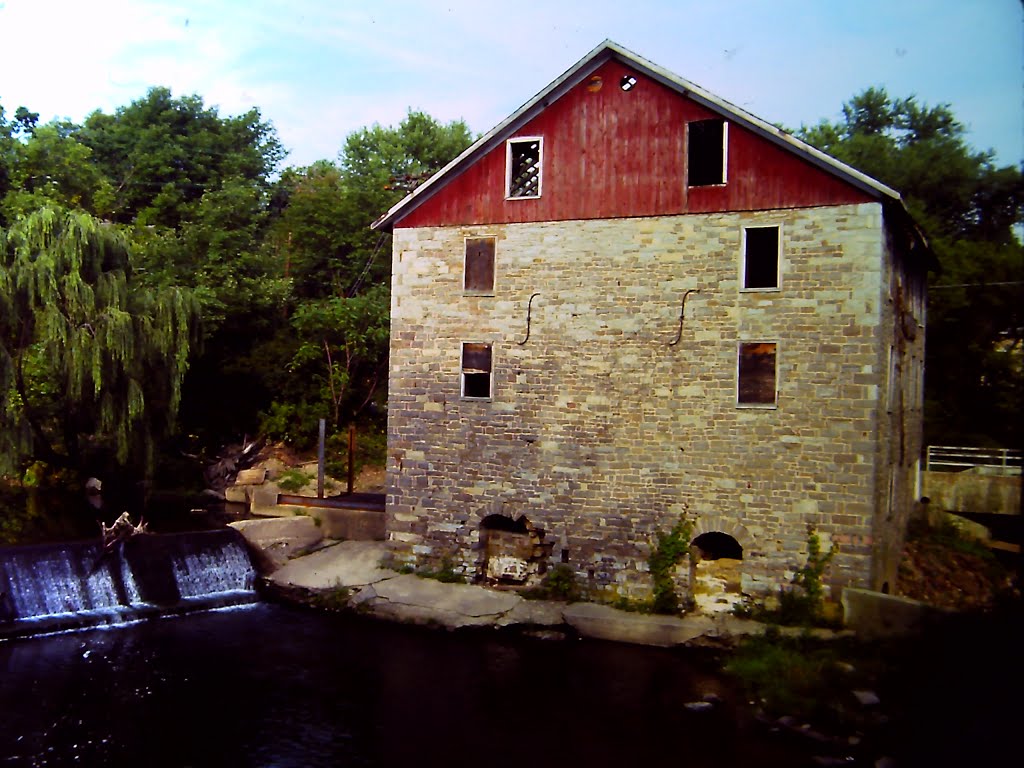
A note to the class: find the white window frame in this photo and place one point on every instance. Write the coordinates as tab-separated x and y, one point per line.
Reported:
739	353
508	166
462	372
725	155
465	266
743	260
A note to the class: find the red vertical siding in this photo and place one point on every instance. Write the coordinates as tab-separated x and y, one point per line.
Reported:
610	153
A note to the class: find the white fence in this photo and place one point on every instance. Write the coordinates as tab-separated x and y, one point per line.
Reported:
945	458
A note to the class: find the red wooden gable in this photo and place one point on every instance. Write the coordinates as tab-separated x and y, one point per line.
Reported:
611	153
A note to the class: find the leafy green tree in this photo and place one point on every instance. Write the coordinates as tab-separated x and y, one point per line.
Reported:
379	167
163	154
332	360
309	235
24	123
50	167
969	208
195	187
345	349
91	365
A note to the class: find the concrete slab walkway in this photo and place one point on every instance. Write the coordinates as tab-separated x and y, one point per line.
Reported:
356	566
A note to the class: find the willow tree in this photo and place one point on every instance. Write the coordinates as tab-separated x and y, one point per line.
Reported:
91	364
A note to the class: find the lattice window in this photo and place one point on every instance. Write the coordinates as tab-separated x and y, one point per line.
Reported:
524	167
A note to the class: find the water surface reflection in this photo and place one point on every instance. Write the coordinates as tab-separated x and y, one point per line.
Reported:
269	685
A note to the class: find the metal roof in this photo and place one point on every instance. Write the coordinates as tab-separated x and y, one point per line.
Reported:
607	51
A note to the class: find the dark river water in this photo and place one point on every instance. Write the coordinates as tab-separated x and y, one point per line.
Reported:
273	685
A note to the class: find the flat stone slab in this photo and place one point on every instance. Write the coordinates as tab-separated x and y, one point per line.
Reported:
545	613
605	623
346	564
461	599
255	476
418	614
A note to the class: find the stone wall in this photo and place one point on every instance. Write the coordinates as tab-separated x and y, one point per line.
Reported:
601	431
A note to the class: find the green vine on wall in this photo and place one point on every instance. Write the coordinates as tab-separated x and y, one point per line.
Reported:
669	551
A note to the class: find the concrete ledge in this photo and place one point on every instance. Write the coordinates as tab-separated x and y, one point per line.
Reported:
351	524
280	538
874	614
465	599
605	623
348	564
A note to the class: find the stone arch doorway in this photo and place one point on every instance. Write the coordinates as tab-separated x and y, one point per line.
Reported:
717	559
716	545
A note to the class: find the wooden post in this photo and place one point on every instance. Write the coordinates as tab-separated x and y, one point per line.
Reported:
320	460
351	457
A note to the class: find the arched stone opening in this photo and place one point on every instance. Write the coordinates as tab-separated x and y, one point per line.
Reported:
716	559
513	550
716	545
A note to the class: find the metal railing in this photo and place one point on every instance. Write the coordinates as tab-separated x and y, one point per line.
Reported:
945	458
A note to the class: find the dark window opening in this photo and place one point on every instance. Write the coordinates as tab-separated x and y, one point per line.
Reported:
705	155
480	264
757	373
716	545
524	168
761	257
476	370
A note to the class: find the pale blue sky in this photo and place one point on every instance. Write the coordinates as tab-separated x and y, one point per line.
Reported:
320	70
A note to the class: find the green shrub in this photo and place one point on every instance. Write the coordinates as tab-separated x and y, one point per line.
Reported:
445	573
293	480
669	551
334	599
789	675
558	584
803	603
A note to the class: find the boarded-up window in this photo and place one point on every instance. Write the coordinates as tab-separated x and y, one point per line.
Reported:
480	264
476	370
760	257
757	373
706	152
523	175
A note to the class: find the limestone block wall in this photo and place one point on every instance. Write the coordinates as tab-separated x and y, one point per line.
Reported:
601	431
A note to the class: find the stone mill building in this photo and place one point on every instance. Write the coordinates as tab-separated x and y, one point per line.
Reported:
631	301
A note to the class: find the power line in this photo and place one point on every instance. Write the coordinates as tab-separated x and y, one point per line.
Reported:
977	285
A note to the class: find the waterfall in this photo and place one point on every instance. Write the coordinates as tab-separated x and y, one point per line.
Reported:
57	586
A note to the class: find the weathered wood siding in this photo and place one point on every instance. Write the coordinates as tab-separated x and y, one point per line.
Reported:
610	153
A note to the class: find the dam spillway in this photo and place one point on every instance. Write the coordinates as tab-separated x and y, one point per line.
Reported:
52	587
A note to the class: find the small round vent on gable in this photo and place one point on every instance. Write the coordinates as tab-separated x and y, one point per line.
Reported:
627	82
